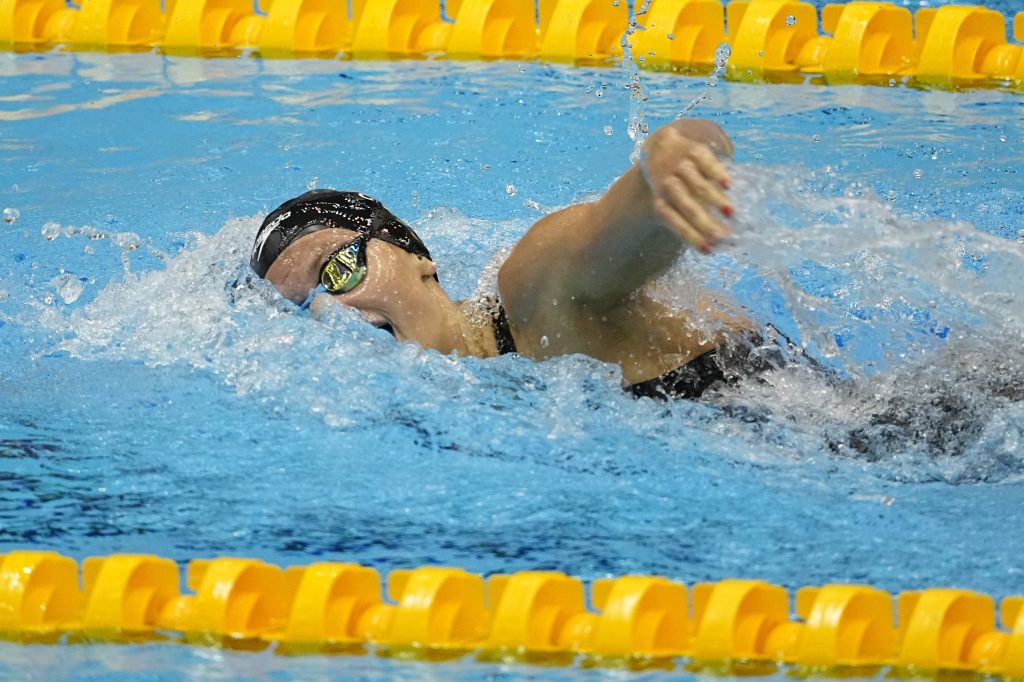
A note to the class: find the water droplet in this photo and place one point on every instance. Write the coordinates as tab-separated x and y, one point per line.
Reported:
761	53
917	173
599	93
671	36
11	214
312	183
722	54
15	188
935	155
1002	138
608	131
89	249
129	241
69	287
892	82
511	190
790	20
50	231
816	137
712	81
544	342
891	196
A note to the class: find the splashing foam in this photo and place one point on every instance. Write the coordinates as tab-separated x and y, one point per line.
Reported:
917	323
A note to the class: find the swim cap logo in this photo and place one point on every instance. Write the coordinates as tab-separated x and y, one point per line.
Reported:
268	229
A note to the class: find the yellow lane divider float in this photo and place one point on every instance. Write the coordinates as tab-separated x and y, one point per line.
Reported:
437	613
946	46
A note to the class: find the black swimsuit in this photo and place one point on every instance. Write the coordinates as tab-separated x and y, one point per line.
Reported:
502	332
748	355
688	382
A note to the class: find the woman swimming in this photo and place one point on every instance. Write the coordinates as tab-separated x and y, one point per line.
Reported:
573	284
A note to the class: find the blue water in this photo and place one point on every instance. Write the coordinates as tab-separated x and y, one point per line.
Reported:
155	399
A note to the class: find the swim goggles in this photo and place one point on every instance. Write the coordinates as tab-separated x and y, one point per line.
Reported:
343	271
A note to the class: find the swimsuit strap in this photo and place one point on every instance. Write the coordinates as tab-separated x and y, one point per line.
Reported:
502	332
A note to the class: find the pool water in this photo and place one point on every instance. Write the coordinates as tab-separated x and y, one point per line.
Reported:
158	399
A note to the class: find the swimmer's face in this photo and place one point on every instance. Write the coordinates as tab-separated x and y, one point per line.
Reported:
399	290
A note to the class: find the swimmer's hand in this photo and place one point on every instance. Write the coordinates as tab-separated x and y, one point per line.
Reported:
681	166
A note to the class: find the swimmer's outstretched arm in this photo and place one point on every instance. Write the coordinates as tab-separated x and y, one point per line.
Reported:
594	256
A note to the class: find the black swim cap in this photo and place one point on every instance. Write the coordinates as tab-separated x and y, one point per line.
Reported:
322	209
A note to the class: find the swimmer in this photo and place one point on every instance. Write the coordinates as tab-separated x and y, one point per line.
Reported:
573	284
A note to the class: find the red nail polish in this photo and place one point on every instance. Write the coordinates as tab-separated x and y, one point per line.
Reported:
728	211
725	184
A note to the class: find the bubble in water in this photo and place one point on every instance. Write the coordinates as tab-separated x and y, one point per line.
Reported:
15	189
312	183
790	20
50	231
1002	138
917	173
816	137
608	131
69	287
11	214
511	190
599	93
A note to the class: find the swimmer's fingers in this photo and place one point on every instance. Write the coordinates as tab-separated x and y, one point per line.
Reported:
683	205
689	179
674	220
703	188
712	168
